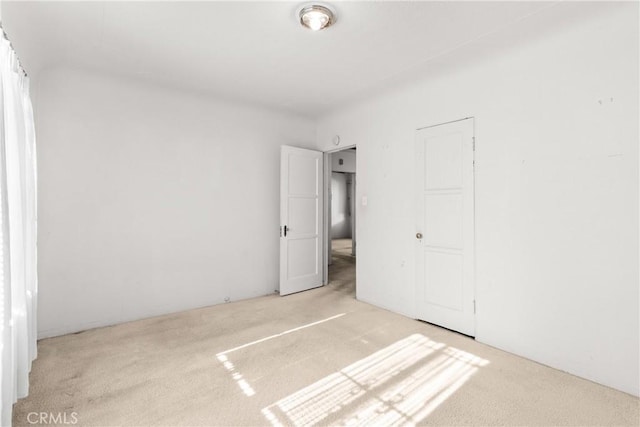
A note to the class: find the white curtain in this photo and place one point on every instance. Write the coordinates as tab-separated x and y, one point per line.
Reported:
18	273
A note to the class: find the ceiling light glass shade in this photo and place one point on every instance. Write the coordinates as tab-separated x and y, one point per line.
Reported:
316	17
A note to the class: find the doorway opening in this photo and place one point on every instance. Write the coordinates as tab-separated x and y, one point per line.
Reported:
340	233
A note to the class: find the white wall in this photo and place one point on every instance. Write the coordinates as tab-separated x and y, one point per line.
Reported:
556	191
348	158
340	208
151	200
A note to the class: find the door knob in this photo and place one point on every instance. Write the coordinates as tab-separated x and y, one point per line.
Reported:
418	235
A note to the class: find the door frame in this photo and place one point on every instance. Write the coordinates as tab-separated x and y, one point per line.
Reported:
326	217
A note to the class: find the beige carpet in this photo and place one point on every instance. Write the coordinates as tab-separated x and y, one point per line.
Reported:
341	246
317	357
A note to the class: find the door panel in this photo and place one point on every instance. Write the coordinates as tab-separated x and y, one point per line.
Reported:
301	256
445	226
443	220
442	165
302	176
303	216
443	278
301	219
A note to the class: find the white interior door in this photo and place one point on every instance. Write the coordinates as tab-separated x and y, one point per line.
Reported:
445	226
300	219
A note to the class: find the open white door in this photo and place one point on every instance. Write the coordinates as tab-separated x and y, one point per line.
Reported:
301	202
445	226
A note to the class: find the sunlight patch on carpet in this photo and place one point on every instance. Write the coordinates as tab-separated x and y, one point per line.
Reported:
237	377
398	385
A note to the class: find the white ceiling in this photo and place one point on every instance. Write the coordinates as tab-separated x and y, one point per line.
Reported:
254	51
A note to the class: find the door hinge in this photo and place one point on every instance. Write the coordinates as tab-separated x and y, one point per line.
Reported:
474	306
473	138
280	231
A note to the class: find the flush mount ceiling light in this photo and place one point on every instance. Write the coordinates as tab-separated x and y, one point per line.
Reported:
316	16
